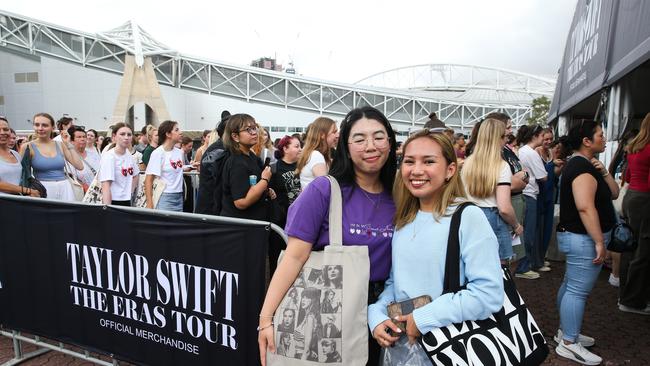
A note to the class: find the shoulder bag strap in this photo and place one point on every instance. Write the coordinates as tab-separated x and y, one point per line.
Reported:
336	213
26	163
452	261
91	168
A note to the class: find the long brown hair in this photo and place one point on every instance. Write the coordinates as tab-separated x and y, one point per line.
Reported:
407	204
642	139
316	139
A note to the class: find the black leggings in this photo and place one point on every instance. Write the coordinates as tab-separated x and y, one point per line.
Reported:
121	203
374	349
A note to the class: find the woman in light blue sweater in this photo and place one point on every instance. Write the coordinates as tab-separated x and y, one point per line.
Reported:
426	196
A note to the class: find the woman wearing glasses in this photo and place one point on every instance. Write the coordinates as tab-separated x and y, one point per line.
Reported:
119	171
364	168
166	162
322	137
245	179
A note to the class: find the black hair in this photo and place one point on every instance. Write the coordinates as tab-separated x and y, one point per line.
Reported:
526	133
565	151
222	125
163	129
63	121
225	114
579	131
74	129
107	141
342	167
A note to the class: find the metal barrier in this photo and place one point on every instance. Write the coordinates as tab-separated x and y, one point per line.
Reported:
43	346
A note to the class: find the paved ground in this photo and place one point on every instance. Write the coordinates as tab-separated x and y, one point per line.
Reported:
621	338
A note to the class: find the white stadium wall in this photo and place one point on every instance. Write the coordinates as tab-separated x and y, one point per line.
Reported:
89	95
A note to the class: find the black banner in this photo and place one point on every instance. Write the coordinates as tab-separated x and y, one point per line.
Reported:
149	289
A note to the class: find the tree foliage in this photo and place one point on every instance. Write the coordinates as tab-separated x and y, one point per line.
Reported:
540	109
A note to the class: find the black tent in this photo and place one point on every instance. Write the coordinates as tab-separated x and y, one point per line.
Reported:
607	40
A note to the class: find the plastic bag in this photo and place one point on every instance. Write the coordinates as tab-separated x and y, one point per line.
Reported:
403	353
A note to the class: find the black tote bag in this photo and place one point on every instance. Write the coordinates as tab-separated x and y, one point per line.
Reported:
508	337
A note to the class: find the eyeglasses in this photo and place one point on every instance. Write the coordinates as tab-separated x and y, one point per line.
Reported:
360	143
250	130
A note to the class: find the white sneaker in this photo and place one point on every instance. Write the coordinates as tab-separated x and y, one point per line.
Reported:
582	339
614	281
547	263
628	309
578	353
544	269
530	275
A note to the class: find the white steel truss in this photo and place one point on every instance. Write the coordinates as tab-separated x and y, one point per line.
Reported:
506	86
106	51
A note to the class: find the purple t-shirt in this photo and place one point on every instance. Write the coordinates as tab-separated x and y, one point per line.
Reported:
367	220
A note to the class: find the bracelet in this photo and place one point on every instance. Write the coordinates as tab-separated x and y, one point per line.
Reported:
265	327
266	316
267	181
606	174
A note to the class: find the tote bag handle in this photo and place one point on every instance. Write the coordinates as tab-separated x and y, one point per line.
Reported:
336	213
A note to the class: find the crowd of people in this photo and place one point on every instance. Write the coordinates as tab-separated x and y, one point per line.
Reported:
402	193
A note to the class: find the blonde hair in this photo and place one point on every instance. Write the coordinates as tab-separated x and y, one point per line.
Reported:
261	145
642	138
481	170
409	205
316	139
212	137
149	131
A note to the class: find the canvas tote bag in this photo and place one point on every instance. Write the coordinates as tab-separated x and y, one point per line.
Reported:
323	317
508	337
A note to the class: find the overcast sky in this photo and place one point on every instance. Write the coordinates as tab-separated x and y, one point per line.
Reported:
337	40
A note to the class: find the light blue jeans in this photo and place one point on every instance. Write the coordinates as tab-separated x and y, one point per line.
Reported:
171	202
579	280
501	230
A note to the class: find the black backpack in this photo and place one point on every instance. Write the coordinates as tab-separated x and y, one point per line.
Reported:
210	180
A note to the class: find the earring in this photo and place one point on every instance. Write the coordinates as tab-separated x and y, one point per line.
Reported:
447	179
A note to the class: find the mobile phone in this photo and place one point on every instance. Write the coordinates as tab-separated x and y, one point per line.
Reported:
267	162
